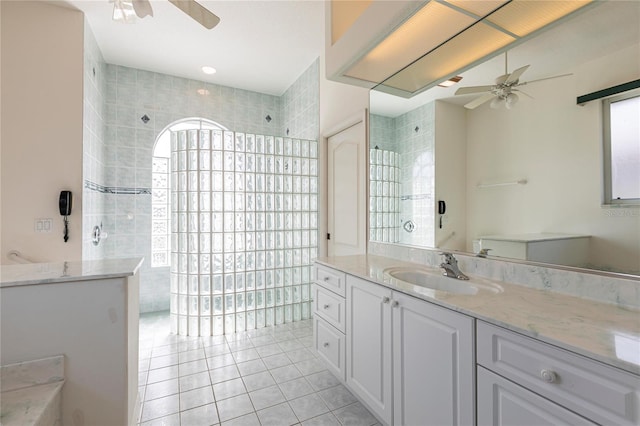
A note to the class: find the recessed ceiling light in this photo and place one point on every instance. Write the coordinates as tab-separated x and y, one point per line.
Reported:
208	70
450	82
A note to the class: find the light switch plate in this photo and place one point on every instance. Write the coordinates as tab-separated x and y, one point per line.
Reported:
43	225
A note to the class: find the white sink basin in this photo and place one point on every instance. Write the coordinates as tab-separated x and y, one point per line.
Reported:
435	281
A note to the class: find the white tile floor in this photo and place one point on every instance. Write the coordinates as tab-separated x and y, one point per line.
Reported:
269	376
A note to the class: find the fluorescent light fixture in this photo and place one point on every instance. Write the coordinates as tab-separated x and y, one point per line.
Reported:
123	11
208	70
450	82
447	37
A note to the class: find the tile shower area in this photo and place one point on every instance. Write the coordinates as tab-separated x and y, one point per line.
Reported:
125	111
402	157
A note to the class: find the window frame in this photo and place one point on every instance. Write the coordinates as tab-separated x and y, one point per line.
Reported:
198	123
608	199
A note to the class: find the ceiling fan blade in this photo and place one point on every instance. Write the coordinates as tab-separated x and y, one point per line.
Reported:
473	89
514	76
142	8
524	93
546	78
479	101
198	12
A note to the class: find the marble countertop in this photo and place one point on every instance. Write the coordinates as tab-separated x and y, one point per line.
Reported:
57	272
600	331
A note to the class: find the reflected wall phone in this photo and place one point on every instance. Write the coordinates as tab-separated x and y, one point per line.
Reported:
65	203
442	208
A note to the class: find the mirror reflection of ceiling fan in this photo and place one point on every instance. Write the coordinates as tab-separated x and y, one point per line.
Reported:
127	11
503	91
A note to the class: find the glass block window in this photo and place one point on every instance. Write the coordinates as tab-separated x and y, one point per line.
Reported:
161	189
384	196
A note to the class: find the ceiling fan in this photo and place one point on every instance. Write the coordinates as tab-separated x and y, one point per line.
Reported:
503	91
127	10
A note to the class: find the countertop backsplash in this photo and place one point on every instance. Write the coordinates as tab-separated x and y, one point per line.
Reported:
619	291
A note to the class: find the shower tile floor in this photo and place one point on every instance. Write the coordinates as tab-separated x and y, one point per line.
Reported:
269	376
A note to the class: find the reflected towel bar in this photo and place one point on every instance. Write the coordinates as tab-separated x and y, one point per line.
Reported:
491	185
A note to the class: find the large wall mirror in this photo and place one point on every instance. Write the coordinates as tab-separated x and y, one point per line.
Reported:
523	180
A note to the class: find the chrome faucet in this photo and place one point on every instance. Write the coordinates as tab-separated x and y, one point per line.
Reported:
450	266
483	252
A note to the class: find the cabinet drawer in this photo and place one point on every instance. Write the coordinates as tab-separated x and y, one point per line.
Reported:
329	306
331	279
599	392
330	345
501	402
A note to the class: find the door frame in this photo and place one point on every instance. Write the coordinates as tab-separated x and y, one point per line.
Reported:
361	116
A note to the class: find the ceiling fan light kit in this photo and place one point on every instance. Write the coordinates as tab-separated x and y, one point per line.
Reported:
123	11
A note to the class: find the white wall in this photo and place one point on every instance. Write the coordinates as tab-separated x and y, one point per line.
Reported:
41	143
338	102
450	175
555	145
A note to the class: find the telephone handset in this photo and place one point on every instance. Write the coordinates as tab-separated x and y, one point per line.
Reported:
64	204
442	208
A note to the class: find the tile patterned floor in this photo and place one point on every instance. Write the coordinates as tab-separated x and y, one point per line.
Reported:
269	376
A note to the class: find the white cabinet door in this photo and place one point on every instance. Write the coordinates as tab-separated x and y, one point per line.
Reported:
369	345
501	402
433	364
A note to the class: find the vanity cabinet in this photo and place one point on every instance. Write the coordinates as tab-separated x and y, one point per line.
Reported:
547	385
409	361
329	318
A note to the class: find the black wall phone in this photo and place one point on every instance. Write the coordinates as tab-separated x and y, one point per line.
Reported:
65	203
442	208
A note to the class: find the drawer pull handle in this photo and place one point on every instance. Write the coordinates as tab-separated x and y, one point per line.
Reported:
549	376
395	304
326	306
326	279
385	299
326	344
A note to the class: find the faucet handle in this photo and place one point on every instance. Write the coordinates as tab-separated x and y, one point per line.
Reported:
448	257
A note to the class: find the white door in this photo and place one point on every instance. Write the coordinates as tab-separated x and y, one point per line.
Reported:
501	402
347	191
433	364
369	345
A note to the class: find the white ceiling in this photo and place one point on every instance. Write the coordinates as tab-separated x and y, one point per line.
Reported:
263	46
603	29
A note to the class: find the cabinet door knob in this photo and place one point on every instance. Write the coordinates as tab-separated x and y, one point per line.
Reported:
549	376
395	304
326	344
326	306
385	299
326	279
